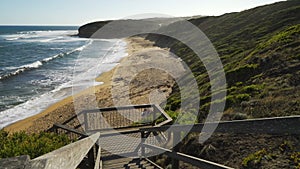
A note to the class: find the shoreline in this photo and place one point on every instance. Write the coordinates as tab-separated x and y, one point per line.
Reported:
64	109
24	124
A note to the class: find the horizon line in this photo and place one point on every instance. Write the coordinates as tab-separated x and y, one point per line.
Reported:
38	25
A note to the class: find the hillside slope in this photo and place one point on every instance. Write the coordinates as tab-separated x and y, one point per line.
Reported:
260	52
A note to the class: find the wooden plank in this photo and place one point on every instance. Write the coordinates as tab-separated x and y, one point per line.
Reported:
168	118
117	132
67	157
98	164
277	125
176	140
70	130
119	128
188	159
86	126
153	163
143	139
123	108
118	108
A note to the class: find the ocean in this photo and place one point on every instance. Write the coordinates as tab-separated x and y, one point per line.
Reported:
39	65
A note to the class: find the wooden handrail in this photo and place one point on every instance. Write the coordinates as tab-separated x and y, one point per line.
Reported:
72	118
118	108
278	125
117	132
98	161
153	163
156	109
187	158
168	118
105	130
59	126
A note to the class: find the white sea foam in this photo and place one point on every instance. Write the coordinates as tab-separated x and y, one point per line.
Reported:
56	48
85	72
80	48
34	65
21	69
43	36
53	57
37	64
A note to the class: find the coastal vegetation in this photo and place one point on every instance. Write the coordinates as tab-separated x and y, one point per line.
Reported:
34	145
259	49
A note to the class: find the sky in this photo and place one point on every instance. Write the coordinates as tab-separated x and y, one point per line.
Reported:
79	12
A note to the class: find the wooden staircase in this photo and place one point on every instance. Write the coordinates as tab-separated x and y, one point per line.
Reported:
113	150
129	163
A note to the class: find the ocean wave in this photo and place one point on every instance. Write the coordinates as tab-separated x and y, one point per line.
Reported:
26	109
51	39
82	76
21	69
11	39
43	36
81	48
37	64
53	57
56	48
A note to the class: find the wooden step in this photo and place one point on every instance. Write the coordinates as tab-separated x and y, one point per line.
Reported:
127	163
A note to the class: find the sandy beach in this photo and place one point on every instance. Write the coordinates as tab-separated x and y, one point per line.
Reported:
143	85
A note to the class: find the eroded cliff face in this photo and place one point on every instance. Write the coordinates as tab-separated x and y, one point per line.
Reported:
87	30
123	28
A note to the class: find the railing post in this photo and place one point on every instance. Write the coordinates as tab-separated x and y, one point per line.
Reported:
176	140
91	157
55	129
85	121
143	139
154	114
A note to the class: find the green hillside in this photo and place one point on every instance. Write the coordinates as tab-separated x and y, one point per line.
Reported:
260	52
259	49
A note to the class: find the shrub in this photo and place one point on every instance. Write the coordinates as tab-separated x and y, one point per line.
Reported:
34	145
187	117
286	147
235	100
254	160
252	89
242	73
296	159
281	38
172	114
